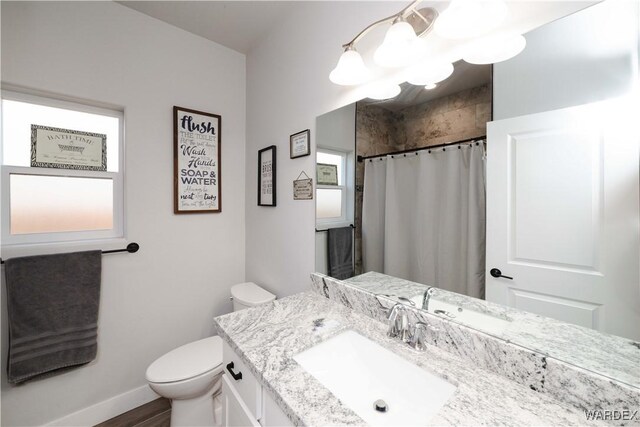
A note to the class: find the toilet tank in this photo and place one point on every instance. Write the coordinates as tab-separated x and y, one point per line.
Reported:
245	295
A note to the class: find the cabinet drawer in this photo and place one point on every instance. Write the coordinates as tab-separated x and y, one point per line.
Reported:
248	387
235	412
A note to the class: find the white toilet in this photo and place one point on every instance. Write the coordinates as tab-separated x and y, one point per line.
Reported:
190	375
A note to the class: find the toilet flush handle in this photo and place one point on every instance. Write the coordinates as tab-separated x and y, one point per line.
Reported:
235	376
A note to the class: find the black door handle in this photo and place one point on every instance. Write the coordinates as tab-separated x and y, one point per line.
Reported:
235	376
497	273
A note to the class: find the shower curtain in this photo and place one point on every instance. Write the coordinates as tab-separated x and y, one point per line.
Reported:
423	218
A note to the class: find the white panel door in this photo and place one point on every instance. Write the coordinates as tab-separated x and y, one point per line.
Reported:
563	215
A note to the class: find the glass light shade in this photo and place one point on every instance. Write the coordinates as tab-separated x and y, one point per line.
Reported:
430	86
492	49
430	72
399	46
350	69
383	90
465	19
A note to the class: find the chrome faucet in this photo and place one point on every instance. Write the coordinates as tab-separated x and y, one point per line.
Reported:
418	336
399	323
426	297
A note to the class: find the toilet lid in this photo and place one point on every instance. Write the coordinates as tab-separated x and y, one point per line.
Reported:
186	362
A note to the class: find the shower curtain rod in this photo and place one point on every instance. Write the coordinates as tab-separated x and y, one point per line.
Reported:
415	150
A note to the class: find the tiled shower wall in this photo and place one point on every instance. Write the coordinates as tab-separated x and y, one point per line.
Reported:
451	118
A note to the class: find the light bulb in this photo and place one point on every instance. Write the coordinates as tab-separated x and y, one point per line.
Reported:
470	18
492	49
430	86
383	90
350	69
399	46
428	72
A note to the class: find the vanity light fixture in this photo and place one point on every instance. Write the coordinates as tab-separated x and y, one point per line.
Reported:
492	49
402	44
465	19
383	90
429	72
469	23
350	69
400	47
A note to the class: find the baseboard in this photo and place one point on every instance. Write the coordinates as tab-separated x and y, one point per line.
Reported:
107	409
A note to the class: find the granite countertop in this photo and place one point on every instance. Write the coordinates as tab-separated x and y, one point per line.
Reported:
267	337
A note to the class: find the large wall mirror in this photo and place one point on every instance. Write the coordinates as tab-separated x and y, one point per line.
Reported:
506	198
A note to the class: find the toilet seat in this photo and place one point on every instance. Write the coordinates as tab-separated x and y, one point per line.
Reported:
188	361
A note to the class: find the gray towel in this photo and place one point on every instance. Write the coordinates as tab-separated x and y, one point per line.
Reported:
340	256
52	302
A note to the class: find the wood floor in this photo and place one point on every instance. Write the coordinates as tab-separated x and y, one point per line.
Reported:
156	413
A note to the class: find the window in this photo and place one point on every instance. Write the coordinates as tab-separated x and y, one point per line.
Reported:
48	205
331	200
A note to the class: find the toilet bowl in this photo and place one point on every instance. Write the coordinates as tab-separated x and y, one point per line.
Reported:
190	375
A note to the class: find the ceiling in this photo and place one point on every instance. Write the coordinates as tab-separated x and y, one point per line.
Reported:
238	25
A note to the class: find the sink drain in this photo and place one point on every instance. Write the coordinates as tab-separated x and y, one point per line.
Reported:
380	405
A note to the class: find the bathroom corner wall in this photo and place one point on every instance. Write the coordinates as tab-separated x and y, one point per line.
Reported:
168	293
287	88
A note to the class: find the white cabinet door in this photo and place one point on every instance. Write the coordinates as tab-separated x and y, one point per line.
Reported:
563	215
234	411
272	415
247	386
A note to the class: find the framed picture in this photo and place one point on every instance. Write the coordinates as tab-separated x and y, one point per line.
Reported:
68	149
196	161
327	174
267	176
299	144
303	188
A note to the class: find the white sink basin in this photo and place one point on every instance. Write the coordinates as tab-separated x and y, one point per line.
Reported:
359	372
475	319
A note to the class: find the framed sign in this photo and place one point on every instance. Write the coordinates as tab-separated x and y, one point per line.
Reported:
267	176
196	161
327	174
303	188
299	144
68	149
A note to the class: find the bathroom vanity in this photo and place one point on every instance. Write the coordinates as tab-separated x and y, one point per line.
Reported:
269	345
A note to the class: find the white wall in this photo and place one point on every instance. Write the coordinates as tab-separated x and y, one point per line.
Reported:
586	57
168	293
288	87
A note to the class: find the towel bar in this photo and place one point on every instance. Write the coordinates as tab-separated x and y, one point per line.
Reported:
131	248
326	229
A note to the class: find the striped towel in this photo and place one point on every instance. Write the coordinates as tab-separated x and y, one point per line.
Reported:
52	304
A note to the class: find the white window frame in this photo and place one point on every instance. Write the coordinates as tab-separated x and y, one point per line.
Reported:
115	234
342	220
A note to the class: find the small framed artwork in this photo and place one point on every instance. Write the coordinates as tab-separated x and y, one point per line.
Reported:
196	161
299	144
68	149
267	176
327	174
303	188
